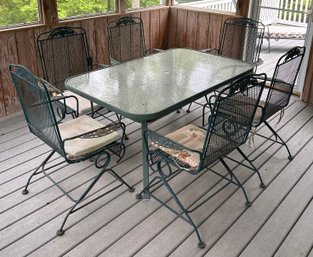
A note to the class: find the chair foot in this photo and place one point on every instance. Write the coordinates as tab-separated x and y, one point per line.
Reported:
60	232
131	189
290	157
248	204
188	111
201	245
262	185
178	111
126	137
25	192
139	196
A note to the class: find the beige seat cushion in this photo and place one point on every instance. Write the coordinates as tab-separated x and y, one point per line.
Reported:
83	103
80	146
190	136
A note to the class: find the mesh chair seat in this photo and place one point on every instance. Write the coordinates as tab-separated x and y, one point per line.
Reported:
79	147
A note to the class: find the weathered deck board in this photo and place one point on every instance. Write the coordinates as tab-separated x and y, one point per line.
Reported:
119	225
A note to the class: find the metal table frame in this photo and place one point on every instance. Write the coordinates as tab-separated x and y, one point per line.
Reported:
151	87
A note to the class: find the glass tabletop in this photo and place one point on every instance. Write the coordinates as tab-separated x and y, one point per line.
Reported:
148	88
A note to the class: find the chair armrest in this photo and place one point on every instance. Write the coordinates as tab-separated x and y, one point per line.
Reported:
61	99
53	91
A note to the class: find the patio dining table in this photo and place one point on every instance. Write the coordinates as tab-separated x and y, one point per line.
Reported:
151	87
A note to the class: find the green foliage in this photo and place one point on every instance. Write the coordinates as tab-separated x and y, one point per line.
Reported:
25	11
18	12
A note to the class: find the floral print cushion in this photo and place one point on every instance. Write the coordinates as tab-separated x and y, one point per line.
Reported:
189	136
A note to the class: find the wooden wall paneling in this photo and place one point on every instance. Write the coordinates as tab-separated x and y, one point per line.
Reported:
172	27
2	108
181	28
101	39
26	46
216	23
155	29
191	29
163	31
89	26
203	31
307	95
146	19
9	55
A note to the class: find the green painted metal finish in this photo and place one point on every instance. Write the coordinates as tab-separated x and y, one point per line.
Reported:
148	88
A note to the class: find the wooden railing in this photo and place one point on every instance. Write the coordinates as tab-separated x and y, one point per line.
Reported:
221	5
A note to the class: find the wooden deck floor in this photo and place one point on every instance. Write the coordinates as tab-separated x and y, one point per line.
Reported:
279	223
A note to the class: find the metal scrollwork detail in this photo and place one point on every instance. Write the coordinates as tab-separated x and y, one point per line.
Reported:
102	160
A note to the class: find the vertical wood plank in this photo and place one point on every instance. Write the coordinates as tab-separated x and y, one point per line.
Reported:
203	31
146	19
25	40
216	23
242	8
89	26
9	55
164	15
191	29
49	11
155	29
181	28
172	27
102	48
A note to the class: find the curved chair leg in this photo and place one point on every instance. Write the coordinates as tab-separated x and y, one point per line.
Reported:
237	182
201	244
36	172
290	157
262	185
72	210
82	197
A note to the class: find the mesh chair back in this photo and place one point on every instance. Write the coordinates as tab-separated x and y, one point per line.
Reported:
63	52
232	116
283	81
35	101
242	39
126	39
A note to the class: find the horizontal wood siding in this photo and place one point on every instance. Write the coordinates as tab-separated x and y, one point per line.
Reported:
19	47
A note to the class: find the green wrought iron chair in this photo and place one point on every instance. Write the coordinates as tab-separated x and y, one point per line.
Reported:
242	39
79	139
280	90
64	52
195	149
127	40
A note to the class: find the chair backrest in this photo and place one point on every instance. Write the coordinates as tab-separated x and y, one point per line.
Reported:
283	81
35	101
242	39
232	116
126	39
63	52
